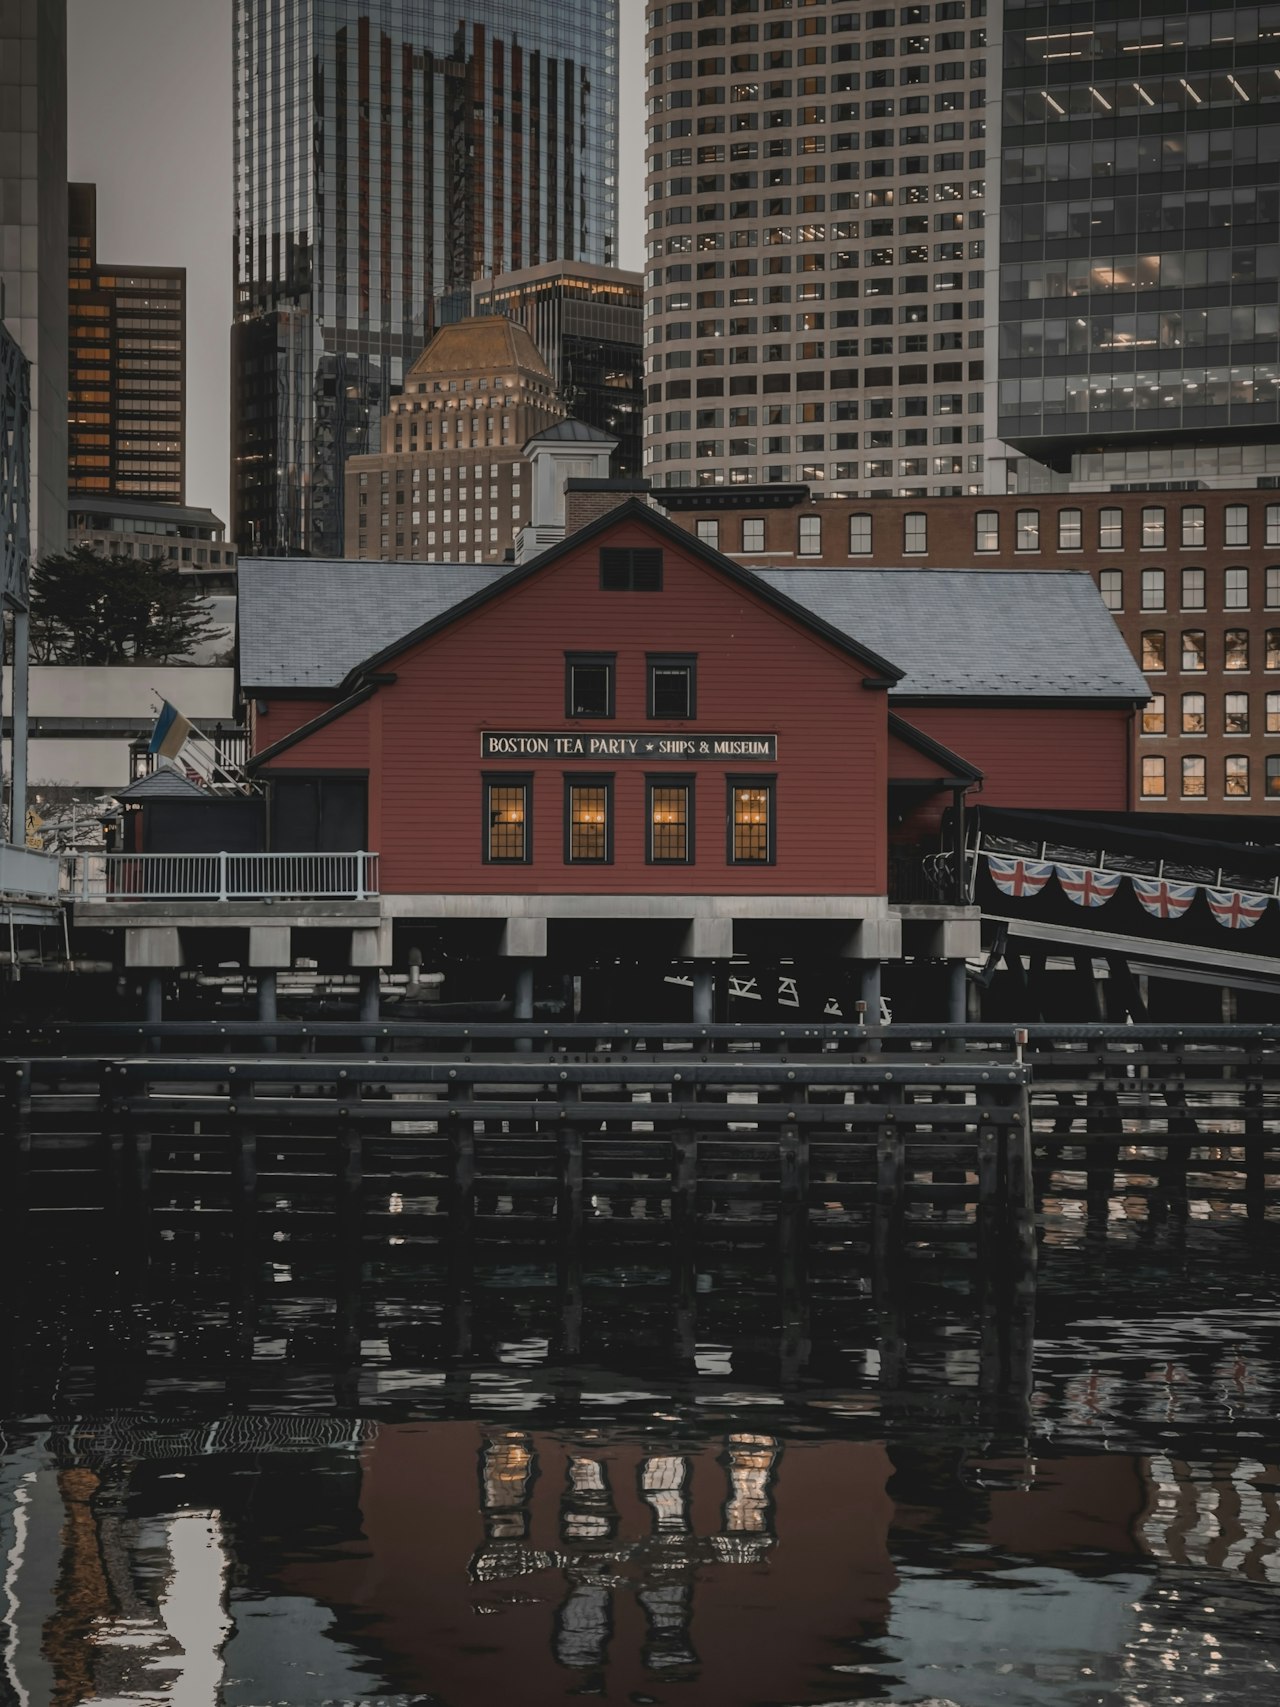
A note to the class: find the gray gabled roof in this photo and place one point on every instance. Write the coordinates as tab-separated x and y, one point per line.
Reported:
985	633
308	622
166	782
573	432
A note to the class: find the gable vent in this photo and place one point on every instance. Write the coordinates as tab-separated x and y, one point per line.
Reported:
627	569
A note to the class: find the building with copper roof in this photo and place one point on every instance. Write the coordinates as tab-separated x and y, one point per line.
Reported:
450	480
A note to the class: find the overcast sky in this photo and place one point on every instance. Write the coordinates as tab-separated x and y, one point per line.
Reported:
149	96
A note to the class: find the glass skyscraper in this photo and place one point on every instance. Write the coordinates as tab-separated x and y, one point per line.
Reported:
388	152
1140	241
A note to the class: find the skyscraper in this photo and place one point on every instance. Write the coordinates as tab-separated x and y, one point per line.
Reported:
587	322
33	239
815	293
1140	244
127	338
388	152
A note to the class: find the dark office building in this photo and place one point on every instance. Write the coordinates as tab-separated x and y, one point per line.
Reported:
126	404
1140	240
587	324
387	153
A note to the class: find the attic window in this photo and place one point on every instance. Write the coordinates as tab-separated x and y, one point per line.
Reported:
630	569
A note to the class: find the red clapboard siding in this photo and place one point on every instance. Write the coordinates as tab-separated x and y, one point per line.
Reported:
282	717
502	668
1039	758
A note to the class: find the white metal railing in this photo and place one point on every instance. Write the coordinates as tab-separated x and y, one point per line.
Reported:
220	876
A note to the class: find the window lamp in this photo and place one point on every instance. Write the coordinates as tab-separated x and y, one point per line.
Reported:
1153	649
670	821
751	820
588	820
508	820
1273	776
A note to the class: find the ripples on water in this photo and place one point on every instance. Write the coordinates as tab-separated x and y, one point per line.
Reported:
290	1488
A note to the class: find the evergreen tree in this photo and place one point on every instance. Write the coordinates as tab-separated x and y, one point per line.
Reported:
87	608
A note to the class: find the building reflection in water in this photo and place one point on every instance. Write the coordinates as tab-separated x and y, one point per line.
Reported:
304	1560
658	1568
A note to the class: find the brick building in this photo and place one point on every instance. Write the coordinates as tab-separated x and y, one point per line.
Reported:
1191	577
451	479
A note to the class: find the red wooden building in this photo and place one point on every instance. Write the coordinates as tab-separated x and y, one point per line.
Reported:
635	746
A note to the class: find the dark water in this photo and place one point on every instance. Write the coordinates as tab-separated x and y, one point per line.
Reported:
302	1485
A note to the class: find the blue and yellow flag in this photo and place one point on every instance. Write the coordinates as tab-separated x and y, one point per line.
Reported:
170	733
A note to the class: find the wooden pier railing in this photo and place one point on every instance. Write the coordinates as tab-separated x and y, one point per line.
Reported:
829	1144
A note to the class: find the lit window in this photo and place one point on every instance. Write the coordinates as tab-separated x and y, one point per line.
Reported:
1193	777
753	533
751	802
588	821
1153	527
1273	776
987	530
588	684
915	532
1070	530
1153	589
709	533
672	687
1235	589
1153	715
1111	586
1192	526
507	820
670	821
810	536
859	535
1153	653
1235	775
1028	530
1235	714
1152	778
1193	714
1235	644
1235	524
1193	649
1193	589
1110	530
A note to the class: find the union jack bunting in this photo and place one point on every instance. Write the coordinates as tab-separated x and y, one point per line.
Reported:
1086	887
1018	877
1235	908
1164	900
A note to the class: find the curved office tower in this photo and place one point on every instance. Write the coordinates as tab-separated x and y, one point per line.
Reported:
388	153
